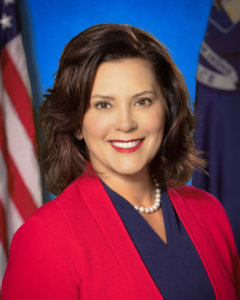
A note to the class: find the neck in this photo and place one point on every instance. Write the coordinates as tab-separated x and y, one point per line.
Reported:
137	189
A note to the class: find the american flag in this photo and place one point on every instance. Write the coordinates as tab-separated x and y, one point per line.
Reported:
20	189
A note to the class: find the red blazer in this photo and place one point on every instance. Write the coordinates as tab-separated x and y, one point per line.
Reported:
76	247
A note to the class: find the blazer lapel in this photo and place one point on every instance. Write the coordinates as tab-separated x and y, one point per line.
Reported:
203	245
108	220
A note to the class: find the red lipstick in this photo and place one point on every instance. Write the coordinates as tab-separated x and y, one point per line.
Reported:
127	149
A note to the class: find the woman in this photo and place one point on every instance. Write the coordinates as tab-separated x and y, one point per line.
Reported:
119	150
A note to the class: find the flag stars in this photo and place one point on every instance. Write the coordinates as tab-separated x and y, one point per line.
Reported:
5	21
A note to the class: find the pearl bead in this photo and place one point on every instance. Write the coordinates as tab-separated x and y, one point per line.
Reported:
156	204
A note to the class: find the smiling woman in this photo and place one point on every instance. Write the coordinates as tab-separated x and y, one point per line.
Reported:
76	77
119	150
124	124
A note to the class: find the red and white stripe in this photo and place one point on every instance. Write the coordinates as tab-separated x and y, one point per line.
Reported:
20	188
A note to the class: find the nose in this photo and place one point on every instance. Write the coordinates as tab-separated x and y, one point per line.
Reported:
125	120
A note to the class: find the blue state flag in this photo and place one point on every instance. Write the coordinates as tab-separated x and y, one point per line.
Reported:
218	108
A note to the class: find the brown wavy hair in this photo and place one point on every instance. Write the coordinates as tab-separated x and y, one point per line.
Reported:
64	157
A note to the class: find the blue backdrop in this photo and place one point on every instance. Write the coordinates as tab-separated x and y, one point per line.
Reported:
52	23
47	25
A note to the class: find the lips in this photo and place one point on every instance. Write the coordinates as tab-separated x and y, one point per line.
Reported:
127	146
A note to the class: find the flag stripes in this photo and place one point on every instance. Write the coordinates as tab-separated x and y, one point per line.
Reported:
14	47
19	193
24	158
20	188
14	87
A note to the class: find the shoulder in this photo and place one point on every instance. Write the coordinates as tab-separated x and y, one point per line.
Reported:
58	209
188	191
41	261
199	200
46	242
51	221
58	217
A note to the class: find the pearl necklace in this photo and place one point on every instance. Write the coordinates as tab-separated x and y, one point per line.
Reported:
157	202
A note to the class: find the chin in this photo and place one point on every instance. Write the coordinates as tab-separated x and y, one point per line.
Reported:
129	170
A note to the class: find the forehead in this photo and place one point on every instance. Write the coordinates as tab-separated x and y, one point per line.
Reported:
131	74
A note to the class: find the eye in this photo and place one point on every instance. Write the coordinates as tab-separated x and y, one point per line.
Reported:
144	102
102	105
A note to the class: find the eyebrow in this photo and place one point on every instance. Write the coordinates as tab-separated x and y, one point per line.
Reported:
134	96
145	92
102	96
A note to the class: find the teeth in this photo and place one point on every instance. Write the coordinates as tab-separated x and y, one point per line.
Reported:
126	144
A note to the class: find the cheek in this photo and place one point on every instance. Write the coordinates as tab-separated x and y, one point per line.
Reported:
155	122
94	126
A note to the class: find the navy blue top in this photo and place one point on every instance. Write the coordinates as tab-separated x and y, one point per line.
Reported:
176	268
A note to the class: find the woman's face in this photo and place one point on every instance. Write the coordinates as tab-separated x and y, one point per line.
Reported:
124	125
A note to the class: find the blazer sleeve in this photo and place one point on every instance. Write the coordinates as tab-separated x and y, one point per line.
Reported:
37	267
